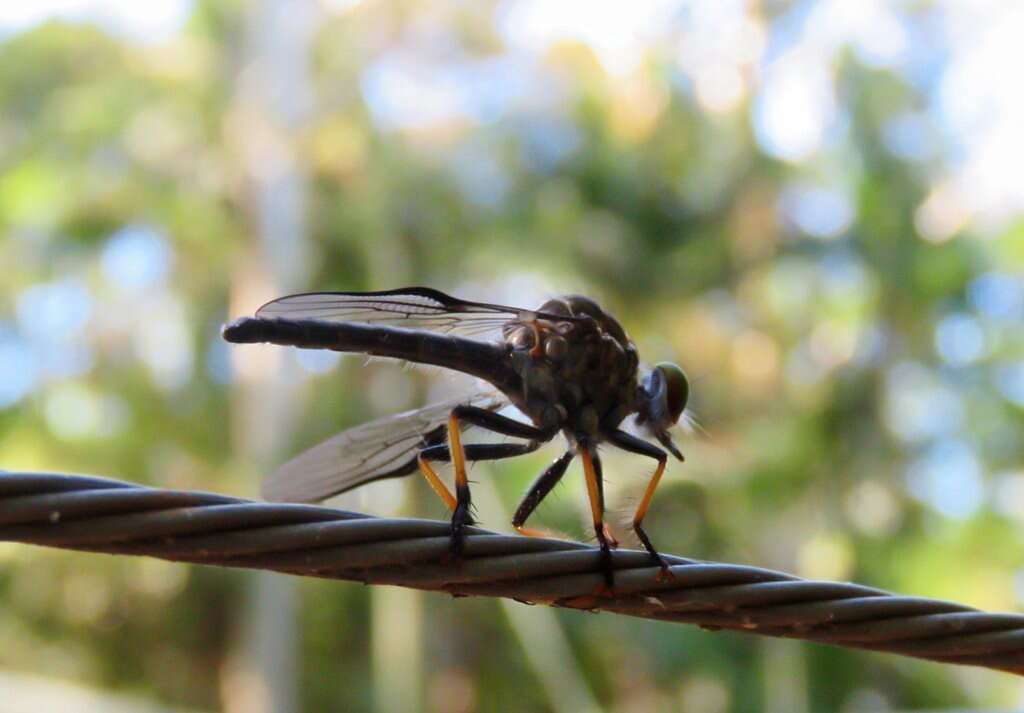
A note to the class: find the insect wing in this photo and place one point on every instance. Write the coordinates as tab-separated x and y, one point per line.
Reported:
410	308
384	448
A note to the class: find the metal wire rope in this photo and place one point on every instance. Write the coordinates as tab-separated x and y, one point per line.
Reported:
101	515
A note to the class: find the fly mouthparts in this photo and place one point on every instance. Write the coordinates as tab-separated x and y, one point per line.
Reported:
666	440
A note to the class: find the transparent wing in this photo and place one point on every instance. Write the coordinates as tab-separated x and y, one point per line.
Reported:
385	448
409	307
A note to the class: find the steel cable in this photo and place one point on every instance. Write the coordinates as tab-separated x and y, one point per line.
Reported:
101	515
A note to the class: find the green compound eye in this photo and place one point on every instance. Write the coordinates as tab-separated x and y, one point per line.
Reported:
677	388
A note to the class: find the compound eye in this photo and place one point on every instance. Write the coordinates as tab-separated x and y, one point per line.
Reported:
677	389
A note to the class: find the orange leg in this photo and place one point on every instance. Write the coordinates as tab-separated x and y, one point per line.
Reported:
436	484
645	501
593	478
641	512
458	503
631	443
457	454
472	452
460	513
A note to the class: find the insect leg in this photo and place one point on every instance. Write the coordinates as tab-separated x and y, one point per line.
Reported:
435	482
599	471
502	424
631	443
493	422
477	452
474	452
538	491
594	489
481	451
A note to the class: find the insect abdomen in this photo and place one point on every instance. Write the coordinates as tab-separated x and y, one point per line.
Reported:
484	360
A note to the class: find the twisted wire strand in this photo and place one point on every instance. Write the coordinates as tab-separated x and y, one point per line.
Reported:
101	515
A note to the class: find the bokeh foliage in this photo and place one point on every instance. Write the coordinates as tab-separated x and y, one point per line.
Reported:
857	372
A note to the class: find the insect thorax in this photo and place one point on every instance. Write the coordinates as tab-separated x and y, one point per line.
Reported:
580	375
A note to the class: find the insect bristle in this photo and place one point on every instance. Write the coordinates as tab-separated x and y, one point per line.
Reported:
690	425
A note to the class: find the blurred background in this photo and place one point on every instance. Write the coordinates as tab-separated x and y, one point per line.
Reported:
814	207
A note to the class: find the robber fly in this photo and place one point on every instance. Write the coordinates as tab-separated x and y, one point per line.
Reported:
567	365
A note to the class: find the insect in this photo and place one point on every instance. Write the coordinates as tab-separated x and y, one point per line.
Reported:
567	365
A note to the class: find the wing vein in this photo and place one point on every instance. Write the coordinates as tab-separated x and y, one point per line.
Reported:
366	452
